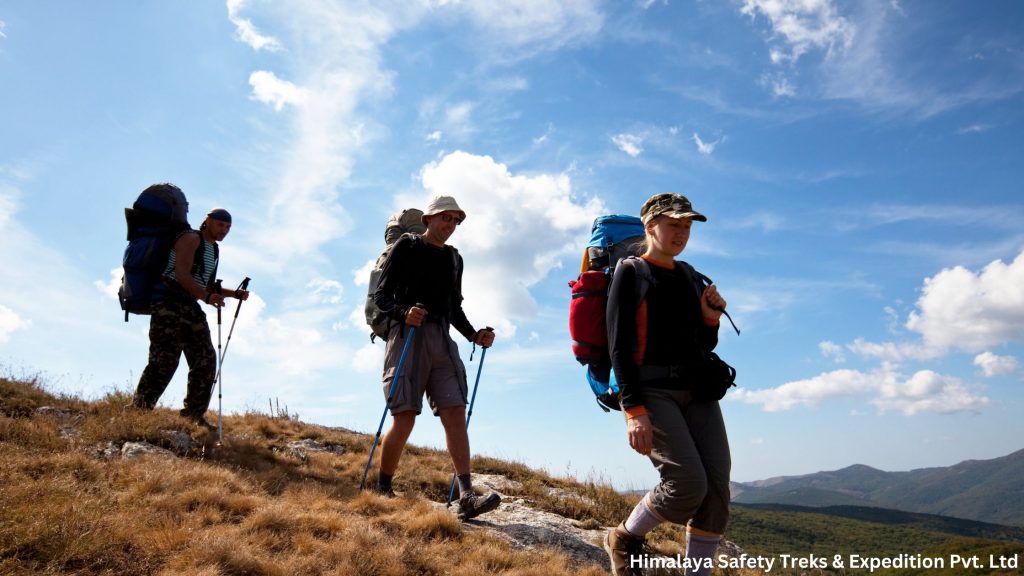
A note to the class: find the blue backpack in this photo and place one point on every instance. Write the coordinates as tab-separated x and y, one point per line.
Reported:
155	221
612	239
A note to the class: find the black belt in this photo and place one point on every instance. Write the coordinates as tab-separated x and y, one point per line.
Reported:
647	372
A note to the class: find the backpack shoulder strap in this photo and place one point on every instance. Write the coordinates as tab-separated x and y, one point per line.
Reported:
644	279
700	282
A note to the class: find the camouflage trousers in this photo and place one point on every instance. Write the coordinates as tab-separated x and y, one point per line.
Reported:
178	325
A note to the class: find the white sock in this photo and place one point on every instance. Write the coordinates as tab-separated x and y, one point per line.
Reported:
702	549
642	519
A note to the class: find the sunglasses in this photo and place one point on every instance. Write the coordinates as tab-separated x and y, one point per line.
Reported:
447	219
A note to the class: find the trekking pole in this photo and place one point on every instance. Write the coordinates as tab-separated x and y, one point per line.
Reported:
243	286
220	358
387	403
219	289
479	368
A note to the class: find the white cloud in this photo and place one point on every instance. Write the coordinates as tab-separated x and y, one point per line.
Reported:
779	85
629	143
540	211
925	391
291	342
809	392
111	287
10	322
369	358
705	148
2	26
832	350
326	291
802	25
434	136
993	365
961	309
269	89
361	276
246	31
974	129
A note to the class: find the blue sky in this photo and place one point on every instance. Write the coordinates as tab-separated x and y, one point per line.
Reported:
859	164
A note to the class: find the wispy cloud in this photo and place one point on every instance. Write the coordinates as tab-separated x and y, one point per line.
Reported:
268	88
523	29
801	26
974	129
705	148
246	31
779	85
2	26
629	143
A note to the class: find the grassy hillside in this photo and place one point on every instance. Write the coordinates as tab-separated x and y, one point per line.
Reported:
251	506
71	504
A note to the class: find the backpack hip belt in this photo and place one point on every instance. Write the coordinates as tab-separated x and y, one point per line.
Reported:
647	372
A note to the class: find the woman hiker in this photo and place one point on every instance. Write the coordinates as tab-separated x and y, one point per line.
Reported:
684	438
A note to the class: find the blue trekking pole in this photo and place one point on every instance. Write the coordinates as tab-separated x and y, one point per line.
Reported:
387	404
479	369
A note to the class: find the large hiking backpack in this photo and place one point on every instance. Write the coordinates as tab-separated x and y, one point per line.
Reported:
408	221
154	221
612	239
616	241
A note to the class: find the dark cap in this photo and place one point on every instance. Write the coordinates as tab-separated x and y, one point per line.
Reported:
669	204
220	214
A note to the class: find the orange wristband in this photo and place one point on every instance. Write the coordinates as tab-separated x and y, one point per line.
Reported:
636	411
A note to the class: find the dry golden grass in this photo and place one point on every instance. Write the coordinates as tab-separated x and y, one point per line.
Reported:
250	506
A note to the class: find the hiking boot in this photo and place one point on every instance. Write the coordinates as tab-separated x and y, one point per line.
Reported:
621	546
387	493
471	505
199	419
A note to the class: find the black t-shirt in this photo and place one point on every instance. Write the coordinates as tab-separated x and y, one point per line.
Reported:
418	272
676	331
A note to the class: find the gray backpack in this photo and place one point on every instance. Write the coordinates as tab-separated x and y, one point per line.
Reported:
405	222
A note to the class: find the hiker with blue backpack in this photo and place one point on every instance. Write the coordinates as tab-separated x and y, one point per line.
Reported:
657	344
177	322
420	291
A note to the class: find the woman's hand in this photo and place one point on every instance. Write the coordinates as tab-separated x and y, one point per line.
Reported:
712	304
640	434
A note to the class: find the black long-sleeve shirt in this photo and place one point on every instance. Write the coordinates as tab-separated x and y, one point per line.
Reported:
676	331
418	272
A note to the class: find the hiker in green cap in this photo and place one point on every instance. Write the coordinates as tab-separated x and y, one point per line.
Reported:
667	419
421	286
178	324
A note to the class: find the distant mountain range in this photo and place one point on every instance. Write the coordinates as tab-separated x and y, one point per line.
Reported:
983	490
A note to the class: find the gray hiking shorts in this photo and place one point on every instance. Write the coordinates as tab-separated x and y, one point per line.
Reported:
432	365
691	452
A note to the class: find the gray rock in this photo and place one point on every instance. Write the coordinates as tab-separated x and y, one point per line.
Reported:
133	450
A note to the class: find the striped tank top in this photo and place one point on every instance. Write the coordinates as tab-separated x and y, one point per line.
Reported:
200	273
